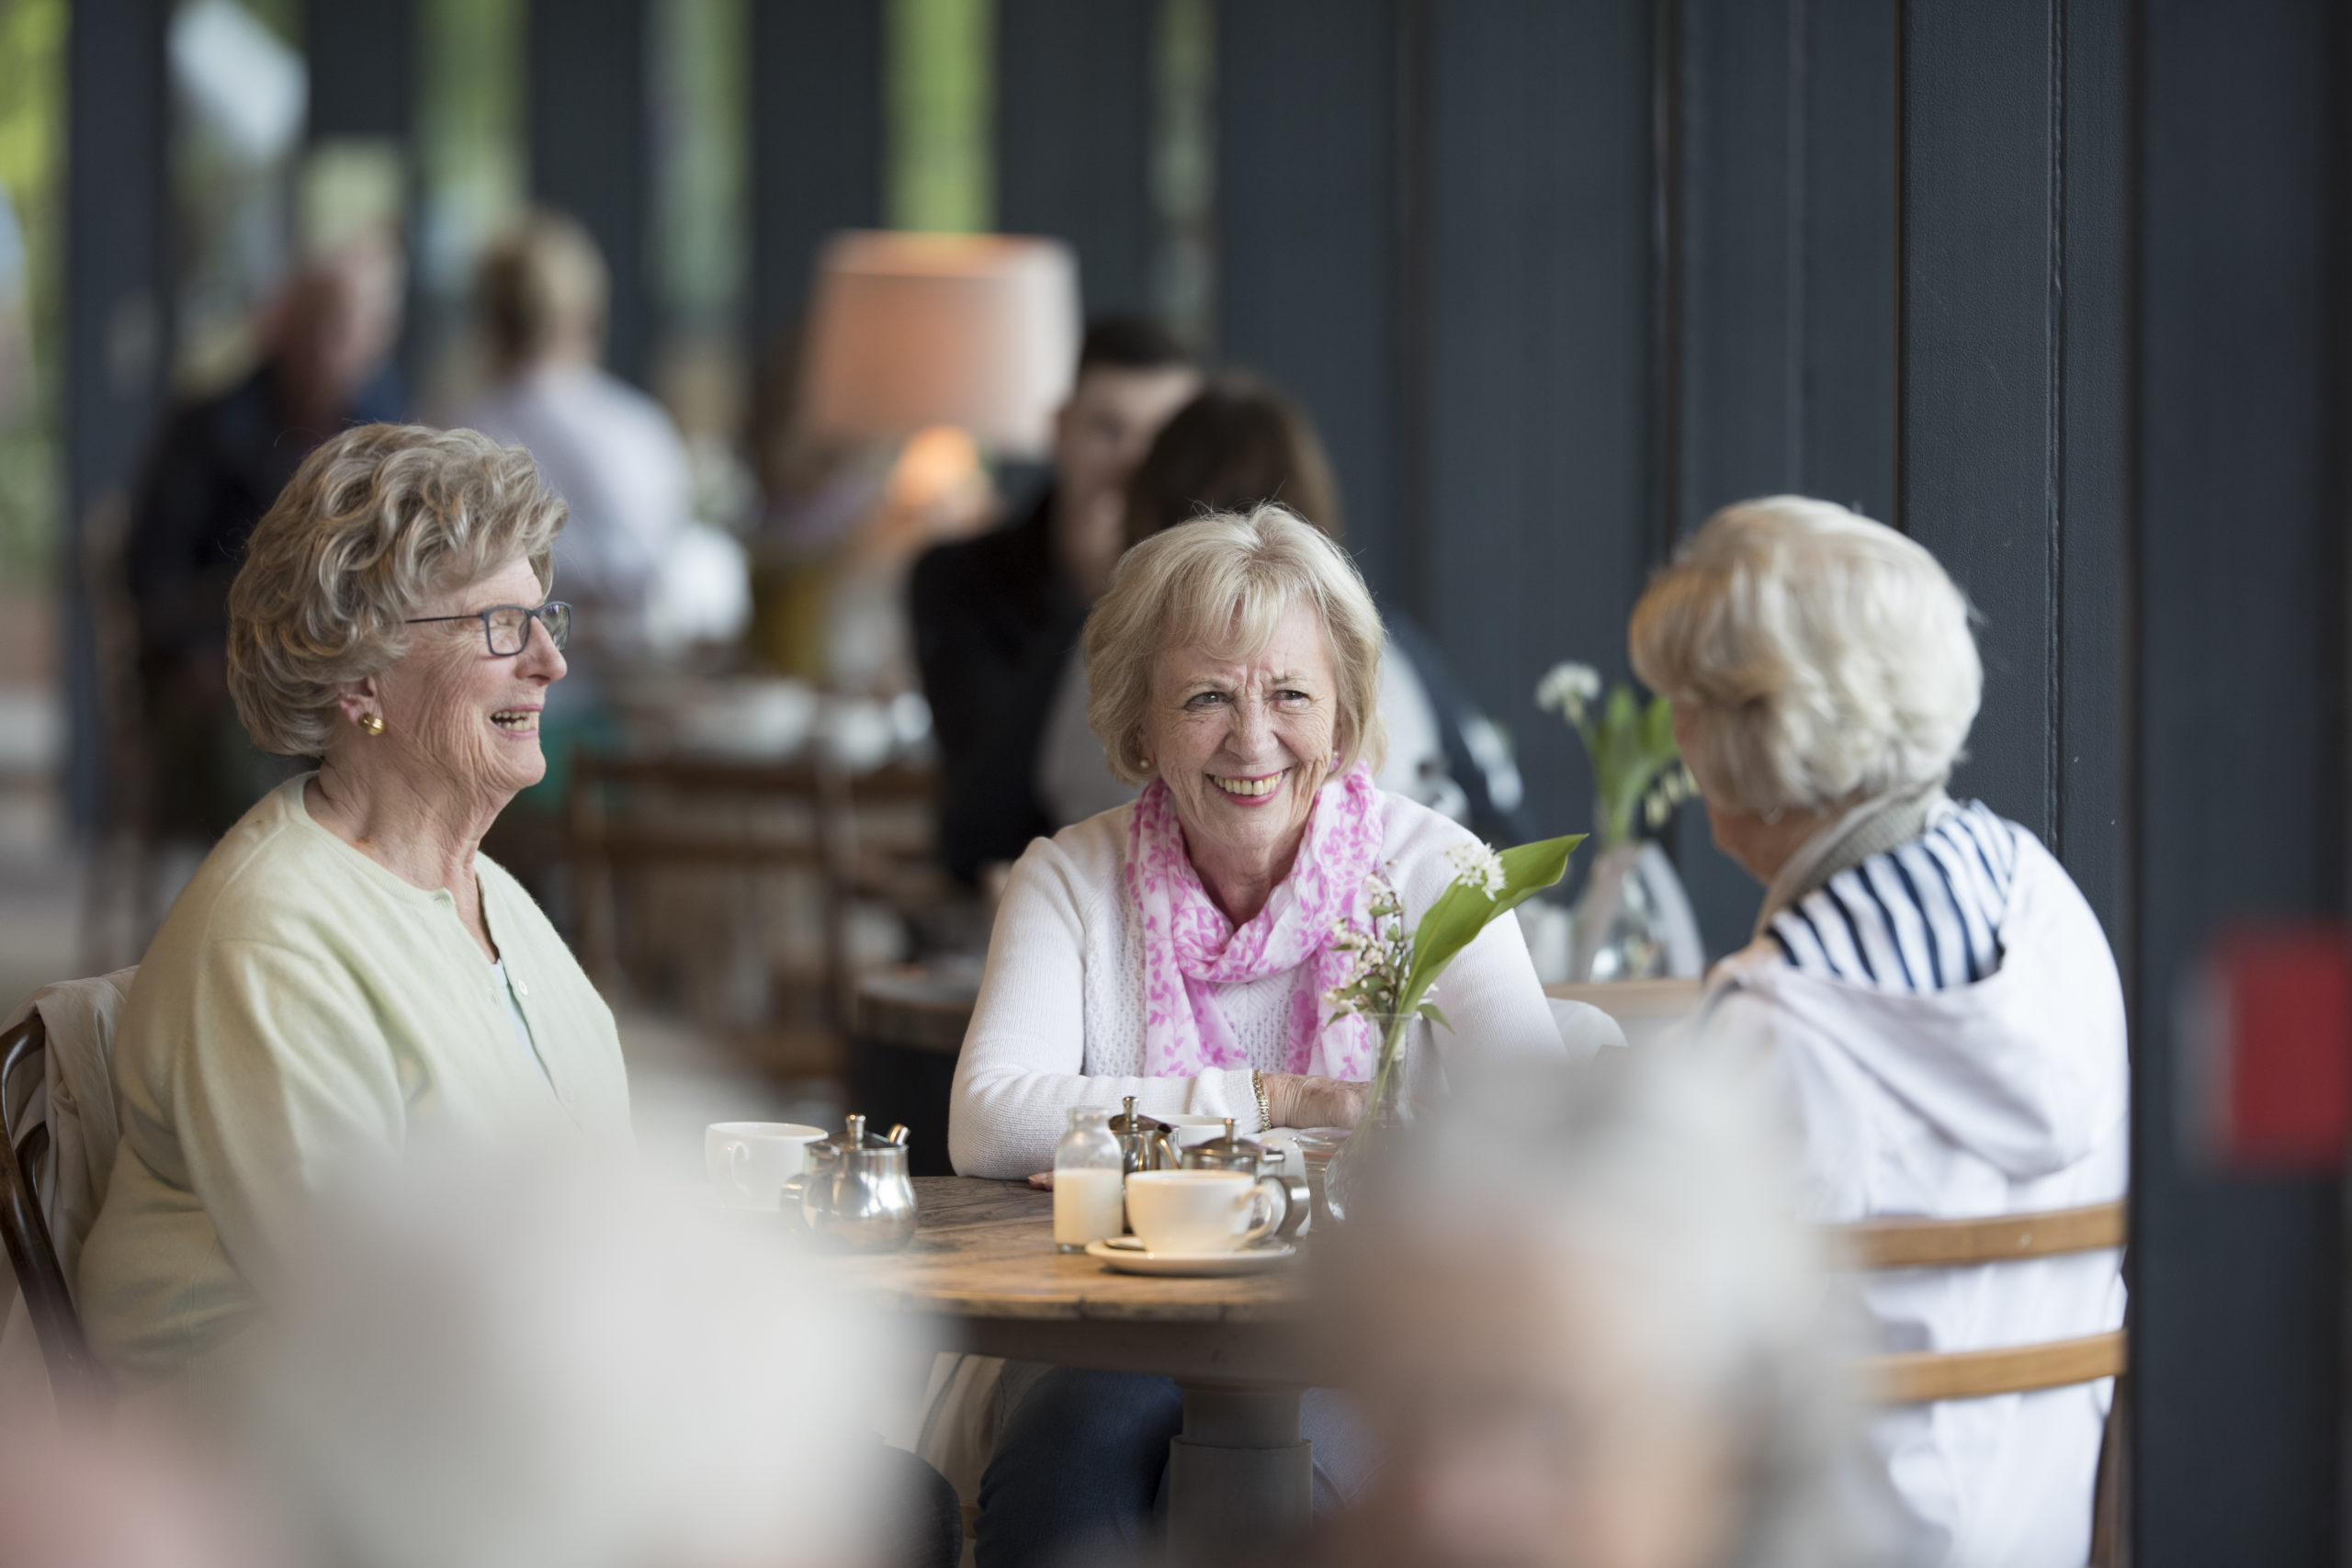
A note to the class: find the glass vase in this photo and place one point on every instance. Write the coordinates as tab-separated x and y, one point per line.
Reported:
1633	921
1405	1085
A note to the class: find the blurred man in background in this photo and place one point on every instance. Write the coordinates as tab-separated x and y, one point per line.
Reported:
216	467
996	617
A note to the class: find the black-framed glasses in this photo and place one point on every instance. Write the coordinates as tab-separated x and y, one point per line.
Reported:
508	627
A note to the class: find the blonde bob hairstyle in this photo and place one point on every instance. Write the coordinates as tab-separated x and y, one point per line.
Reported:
1818	657
374	523
1223	583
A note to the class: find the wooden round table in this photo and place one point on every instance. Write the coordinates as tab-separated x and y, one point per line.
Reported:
982	1275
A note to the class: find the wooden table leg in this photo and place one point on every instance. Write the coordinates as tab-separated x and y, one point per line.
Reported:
1240	1475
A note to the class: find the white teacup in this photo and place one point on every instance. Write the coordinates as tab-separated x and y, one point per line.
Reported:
750	1161
1203	1211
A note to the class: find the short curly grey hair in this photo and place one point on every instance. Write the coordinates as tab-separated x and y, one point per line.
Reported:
376	522
1818	656
1222	582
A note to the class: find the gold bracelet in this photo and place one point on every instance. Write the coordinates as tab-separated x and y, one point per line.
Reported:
1265	1106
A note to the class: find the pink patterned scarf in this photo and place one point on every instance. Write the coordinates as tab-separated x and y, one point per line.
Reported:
1189	948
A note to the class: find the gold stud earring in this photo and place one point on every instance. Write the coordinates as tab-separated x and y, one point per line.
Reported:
372	724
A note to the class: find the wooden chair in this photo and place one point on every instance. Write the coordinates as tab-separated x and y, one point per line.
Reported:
73	1373
1922	1377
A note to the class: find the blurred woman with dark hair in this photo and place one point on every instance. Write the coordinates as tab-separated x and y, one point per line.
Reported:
1242	442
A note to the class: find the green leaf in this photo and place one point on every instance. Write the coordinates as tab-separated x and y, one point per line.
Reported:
1429	1010
1461	913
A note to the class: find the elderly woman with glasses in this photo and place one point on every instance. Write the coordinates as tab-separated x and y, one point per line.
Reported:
346	975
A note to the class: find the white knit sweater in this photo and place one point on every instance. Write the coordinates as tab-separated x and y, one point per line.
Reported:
1059	1021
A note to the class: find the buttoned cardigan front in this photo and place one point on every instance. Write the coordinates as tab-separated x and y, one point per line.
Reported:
304	1016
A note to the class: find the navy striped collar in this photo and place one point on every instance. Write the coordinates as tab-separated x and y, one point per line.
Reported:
1925	915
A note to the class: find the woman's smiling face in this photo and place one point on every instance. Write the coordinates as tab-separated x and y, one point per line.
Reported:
463	712
1245	743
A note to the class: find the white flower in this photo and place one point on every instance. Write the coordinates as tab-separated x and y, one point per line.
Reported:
1568	687
1476	865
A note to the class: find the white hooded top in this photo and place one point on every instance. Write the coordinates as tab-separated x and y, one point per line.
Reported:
2006	1094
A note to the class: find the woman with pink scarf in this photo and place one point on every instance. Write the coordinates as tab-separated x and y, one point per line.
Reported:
1177	950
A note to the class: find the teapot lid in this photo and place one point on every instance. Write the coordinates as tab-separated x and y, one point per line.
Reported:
853	1135
1231	1146
1131	1121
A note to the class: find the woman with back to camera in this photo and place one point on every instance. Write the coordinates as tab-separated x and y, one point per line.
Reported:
1927	986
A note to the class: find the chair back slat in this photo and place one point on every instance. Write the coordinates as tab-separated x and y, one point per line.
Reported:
73	1373
1922	1377
1956	1243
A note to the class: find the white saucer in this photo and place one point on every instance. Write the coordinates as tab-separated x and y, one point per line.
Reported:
1127	1255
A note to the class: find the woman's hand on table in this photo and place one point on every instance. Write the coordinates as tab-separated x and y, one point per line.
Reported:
1297	1101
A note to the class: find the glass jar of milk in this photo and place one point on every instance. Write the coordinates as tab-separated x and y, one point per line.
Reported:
1088	1181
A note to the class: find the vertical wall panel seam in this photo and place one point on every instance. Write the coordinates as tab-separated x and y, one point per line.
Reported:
2055	467
1666	277
1797	184
1901	521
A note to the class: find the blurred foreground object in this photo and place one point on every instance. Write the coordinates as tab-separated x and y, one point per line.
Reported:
2267	1019
974	330
1589	1328
517	1361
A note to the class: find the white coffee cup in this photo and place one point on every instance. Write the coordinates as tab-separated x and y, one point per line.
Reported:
1203	1211
750	1161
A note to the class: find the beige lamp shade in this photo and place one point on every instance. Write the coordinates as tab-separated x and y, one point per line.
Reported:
909	331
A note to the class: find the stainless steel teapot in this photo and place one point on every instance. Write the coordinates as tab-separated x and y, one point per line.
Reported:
857	1193
1143	1144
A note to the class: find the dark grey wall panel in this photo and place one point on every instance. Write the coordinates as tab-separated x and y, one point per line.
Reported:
1310	192
816	144
1979	479
591	147
1784	274
363	67
2010	444
2241	346
1543	521
1073	129
363	83
2090	831
118	305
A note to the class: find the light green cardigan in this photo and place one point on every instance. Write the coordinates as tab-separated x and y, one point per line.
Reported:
303	1012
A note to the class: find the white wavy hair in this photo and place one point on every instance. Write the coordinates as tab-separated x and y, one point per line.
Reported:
1818	657
1223	581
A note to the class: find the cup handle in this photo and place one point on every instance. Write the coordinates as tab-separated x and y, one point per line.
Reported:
1279	1211
1297	1202
738	1155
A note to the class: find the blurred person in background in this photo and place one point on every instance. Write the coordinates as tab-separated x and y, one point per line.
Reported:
345	972
1240	442
648	577
1586	1328
1927	989
215	468
995	618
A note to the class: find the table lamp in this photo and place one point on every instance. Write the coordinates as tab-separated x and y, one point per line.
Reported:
909	331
